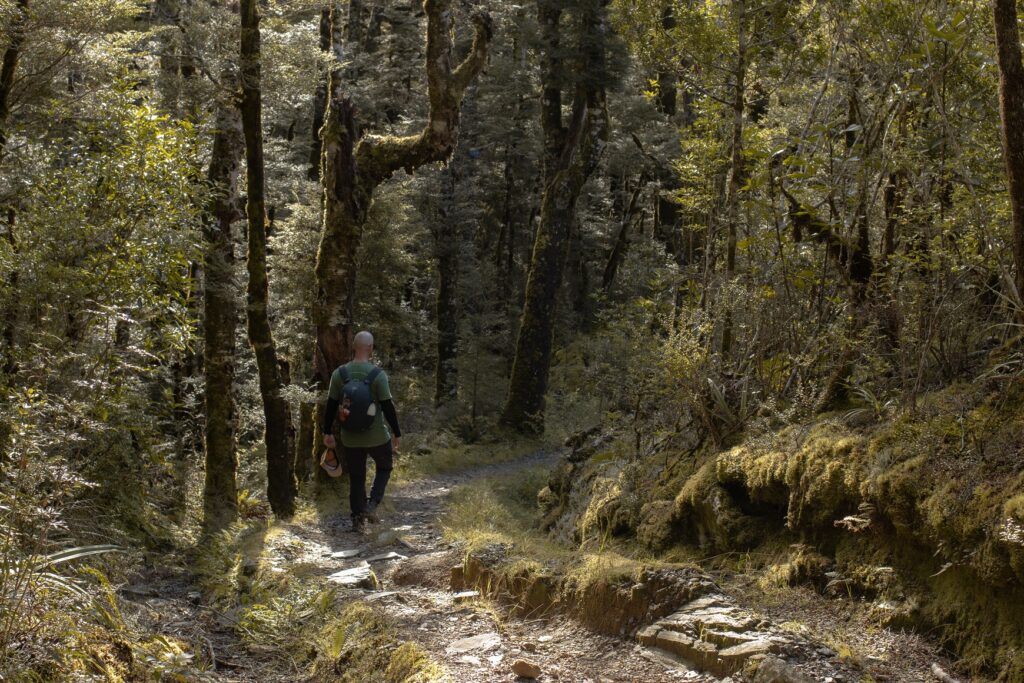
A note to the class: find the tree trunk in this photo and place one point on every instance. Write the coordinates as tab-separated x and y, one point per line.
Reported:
304	444
356	21
220	495
737	171
320	98
571	155
446	384
351	173
618	252
278	435
10	322
10	65
893	202
1011	108
667	80
7	72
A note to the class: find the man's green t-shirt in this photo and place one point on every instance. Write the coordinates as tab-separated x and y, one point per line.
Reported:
378	433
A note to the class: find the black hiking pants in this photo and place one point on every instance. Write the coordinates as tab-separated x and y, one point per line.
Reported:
355	465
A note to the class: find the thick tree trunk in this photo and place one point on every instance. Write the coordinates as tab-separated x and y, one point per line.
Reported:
571	155
446	383
351	172
220	495
1011	108
278	436
7	70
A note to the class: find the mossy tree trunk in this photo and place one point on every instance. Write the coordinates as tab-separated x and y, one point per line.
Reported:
220	495
1011	108
304	442
351	169
571	154
281	486
320	98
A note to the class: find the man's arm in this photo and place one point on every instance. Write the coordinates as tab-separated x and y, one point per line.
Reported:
330	412
391	415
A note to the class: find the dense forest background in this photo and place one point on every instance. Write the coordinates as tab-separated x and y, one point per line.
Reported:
691	228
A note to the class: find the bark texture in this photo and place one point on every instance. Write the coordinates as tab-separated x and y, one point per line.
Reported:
351	169
278	435
571	154
1011	109
220	495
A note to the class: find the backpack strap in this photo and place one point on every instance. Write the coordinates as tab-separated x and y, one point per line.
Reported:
343	373
372	377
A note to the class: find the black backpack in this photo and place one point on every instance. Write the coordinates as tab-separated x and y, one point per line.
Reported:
357	409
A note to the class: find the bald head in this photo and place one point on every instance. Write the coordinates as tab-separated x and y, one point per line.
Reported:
362	345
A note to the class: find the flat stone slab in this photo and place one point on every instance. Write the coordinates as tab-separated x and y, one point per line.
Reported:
485	642
374	597
676	643
345	554
384	557
730	638
355	577
741	653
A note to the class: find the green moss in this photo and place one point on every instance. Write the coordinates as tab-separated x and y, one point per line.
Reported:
658	525
708	515
937	496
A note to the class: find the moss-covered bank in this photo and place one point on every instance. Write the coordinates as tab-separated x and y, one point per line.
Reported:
937	495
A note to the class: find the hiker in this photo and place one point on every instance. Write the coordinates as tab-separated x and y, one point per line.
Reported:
360	399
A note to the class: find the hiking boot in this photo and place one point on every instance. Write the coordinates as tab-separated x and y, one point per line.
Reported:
358	524
371	512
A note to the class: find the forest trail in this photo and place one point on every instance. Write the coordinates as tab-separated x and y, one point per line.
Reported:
473	641
477	641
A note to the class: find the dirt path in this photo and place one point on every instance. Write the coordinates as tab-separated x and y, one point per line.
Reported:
473	641
411	562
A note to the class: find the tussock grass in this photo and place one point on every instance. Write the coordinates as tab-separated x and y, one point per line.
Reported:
503	511
448	455
361	644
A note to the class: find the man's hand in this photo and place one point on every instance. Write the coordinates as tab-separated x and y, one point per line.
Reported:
329	441
396	443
